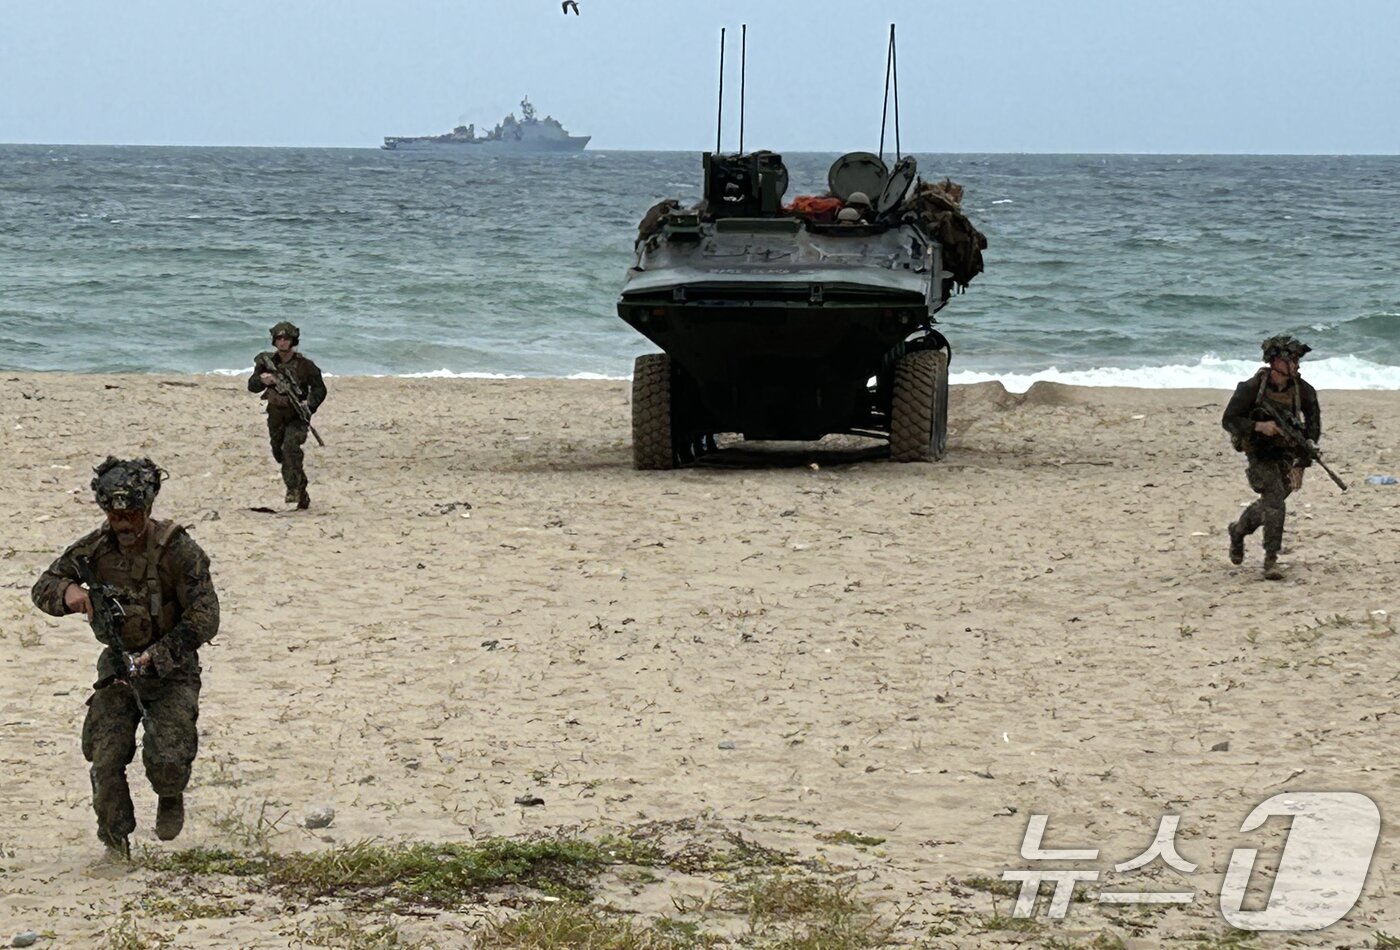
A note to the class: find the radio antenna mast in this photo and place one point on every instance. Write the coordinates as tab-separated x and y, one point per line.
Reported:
891	71
743	72
719	122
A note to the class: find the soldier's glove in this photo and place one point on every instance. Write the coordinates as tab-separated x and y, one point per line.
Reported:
160	659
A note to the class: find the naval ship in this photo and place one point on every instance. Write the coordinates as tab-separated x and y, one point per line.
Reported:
527	135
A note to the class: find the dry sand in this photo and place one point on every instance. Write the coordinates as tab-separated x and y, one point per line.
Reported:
485	601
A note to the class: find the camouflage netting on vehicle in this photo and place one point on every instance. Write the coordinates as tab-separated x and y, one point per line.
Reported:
937	208
655	218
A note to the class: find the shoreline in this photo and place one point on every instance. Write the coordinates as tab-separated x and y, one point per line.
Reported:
1021	385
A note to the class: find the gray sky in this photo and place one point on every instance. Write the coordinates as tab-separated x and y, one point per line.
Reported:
986	76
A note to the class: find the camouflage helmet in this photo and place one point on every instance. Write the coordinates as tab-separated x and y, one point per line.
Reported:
127	484
287	329
858	199
1288	347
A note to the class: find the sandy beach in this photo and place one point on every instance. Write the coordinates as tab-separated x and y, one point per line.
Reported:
787	642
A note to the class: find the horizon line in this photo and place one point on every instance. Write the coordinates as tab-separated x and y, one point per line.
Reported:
797	151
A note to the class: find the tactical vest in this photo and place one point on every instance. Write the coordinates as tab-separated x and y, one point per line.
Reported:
145	583
276	402
1289	402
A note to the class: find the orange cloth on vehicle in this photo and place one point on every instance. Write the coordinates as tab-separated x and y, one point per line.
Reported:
821	208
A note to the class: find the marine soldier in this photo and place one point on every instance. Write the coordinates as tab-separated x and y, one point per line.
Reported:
144	586
1275	465
294	390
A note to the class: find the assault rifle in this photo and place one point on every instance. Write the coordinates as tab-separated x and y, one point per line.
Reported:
108	615
1296	437
286	384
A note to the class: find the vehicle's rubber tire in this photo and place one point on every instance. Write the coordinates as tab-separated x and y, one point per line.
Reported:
919	407
939	443
652	444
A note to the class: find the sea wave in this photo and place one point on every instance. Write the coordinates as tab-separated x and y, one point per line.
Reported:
1210	372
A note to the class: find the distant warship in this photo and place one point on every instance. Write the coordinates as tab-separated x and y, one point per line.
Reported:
526	135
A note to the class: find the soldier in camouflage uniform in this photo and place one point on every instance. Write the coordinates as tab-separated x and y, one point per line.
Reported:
160	576
285	428
1275	466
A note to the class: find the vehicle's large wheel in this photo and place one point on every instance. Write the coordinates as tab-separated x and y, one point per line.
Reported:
652	445
919	407
939	443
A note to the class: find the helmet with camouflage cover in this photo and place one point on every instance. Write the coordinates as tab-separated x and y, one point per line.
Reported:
127	484
288	330
1288	347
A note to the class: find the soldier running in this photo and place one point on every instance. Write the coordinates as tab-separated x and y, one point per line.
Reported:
1275	465
150	600
285	378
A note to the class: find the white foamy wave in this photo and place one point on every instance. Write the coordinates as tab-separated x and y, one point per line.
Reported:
449	374
1336	372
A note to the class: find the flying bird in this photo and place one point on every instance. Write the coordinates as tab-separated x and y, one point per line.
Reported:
567	4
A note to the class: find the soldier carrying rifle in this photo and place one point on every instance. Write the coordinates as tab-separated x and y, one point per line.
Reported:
1274	418
145	588
294	390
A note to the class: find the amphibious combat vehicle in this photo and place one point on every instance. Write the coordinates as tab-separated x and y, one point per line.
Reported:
801	320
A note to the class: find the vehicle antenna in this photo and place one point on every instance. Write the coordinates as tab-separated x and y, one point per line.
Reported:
891	70
743	70
719	123
894	69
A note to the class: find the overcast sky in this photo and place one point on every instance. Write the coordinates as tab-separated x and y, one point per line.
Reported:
976	76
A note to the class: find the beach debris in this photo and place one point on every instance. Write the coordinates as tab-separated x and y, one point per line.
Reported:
263	510
1291	776
727	744
320	817
490	644
528	801
1380	479
1221	746
1006	811
24	938
210	515
446	508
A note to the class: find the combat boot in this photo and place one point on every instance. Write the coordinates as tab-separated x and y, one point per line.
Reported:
1272	571
170	816
116	844
291	495
303	499
1236	543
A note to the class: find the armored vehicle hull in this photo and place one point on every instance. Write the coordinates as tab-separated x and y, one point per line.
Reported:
778	326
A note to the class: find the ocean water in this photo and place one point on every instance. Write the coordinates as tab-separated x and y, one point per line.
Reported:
1108	269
